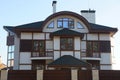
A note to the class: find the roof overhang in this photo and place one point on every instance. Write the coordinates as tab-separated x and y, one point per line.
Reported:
69	61
65	32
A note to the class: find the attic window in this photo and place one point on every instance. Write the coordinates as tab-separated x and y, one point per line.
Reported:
65	23
79	25
51	25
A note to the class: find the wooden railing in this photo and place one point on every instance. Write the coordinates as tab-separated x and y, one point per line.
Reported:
84	53
48	53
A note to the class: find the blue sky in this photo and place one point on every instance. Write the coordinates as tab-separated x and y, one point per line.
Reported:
17	12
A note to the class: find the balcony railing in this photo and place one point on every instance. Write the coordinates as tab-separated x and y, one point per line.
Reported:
42	54
93	55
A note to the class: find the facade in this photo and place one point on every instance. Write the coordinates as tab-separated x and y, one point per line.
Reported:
35	45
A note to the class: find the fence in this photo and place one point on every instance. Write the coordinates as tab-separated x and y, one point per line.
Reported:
109	75
59	75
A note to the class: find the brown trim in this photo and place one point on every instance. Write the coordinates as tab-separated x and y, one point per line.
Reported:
106	64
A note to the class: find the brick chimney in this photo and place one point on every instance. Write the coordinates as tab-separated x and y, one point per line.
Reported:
89	15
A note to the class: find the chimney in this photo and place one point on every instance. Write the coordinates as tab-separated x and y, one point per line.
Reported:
89	15
54	6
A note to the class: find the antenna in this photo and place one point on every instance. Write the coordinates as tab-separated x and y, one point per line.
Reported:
88	4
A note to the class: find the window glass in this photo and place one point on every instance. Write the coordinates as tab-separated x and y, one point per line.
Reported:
66	43
95	47
35	46
60	24
38	48
65	23
25	45
79	25
51	25
105	46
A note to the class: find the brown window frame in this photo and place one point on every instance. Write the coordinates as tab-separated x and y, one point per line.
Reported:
66	44
103	47
62	20
39	52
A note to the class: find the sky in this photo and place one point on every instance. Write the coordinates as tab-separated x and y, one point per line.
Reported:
17	12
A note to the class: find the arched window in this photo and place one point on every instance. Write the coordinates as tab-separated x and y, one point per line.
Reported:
65	23
51	25
79	25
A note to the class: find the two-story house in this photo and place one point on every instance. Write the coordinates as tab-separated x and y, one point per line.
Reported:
35	45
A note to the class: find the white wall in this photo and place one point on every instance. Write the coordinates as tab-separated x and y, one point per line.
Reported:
77	54
105	67
47	36
105	58
26	35
39	36
56	43
25	67
66	53
16	53
89	16
25	58
92	36
77	43
56	54
104	36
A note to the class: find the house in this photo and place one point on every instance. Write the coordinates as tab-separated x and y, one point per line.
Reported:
35	45
2	65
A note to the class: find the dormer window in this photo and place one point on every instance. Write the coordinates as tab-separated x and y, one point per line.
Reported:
79	25
51	25
65	23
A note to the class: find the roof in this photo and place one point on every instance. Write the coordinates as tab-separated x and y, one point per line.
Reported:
66	32
88	11
69	61
38	26
101	28
35	26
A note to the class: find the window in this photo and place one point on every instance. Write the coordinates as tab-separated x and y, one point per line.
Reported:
38	48
65	23
26	45
51	25
79	25
38	64
105	46
94	47
66	44
10	55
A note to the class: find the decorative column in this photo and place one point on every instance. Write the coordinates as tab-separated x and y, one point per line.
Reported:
39	74
95	75
74	74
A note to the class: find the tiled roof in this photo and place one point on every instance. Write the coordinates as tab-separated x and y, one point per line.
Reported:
69	61
37	26
66	32
9	28
101	28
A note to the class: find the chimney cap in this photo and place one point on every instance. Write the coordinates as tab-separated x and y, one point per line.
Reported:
54	2
86	11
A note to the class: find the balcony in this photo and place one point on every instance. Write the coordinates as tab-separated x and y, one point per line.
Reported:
91	56
42	55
